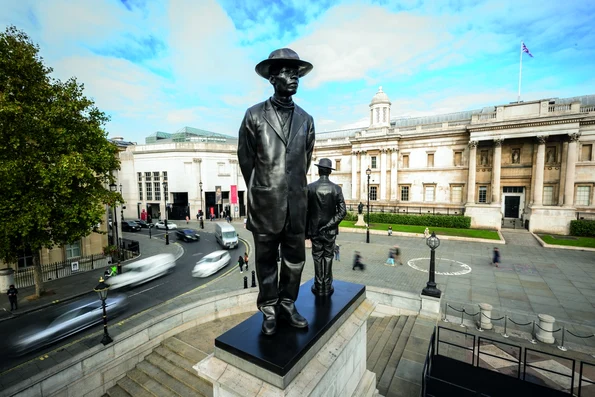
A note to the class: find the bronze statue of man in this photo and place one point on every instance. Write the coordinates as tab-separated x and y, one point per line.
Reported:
326	209
276	140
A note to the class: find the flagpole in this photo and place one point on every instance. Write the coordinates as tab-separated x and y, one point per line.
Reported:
520	72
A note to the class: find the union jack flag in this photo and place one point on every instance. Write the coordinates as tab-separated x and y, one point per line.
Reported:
525	49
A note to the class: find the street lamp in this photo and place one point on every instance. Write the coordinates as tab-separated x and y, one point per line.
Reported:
114	188
121	207
368	172
101	290
166	228
433	242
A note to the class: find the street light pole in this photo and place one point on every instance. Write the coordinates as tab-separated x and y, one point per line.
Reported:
114	188
101	290
368	173
433	242
166	228
121	207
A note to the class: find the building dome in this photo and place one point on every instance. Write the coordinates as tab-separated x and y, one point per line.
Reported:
380	97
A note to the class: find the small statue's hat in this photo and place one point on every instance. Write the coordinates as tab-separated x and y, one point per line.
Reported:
325	163
284	56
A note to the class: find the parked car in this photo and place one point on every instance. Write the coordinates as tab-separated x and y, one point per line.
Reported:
130	226
65	320
187	235
144	270
143	224
170	225
211	264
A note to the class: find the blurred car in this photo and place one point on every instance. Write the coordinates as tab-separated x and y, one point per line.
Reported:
143	224
66	320
130	226
211	264
144	270
188	235
170	225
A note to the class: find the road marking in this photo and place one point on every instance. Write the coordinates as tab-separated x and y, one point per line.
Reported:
465	268
145	290
197	254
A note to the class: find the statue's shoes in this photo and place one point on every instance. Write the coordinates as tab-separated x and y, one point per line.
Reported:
289	313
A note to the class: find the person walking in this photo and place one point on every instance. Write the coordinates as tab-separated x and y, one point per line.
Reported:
391	257
12	297
390	230
357	261
397	256
496	257
337	252
187	219
246	260
241	263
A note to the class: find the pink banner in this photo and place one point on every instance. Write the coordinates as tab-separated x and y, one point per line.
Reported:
234	194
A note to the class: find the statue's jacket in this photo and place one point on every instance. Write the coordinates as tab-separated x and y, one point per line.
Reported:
275	169
326	207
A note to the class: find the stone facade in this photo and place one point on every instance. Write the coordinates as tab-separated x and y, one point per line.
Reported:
532	161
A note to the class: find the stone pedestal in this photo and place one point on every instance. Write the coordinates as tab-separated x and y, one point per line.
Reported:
544	331
484	216
360	220
430	306
485	314
551	219
327	359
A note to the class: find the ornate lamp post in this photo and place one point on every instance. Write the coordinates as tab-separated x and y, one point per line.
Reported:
101	290
368	173
433	242
114	188
166	228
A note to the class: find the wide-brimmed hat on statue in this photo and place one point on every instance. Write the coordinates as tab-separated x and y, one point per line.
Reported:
325	163
283	56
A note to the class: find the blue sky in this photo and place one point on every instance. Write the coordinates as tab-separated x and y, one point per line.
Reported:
162	65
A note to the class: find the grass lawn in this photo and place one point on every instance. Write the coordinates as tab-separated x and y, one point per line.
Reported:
445	231
588	242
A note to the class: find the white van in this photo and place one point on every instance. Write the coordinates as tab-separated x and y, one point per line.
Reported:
226	235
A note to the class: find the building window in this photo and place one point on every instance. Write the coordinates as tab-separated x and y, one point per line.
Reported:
586	152
429	192
548	195
550	154
404	193
483	194
513	189
166	191
73	250
25	257
430	160
140	191
156	175
139	176
337	165
149	191
458	159
165	175
157	191
405	161
483	158
583	194
221	168
147	176
373	193
456	194
373	160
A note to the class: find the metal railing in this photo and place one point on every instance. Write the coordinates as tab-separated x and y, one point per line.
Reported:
410	210
590	216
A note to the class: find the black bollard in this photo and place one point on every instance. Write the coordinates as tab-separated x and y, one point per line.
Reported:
245	282
253	279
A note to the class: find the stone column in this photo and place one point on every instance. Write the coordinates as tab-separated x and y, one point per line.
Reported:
539	171
496	168
313	169
383	174
354	167
394	184
485	314
570	166
363	177
472	169
544	333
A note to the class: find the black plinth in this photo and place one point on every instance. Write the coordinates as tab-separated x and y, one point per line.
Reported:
280	352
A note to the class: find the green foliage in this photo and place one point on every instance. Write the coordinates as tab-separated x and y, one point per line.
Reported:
451	221
55	159
582	227
587	242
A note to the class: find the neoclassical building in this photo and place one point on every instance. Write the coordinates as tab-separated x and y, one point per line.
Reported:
528	161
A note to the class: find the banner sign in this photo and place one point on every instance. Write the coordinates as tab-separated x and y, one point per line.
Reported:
218	199
234	194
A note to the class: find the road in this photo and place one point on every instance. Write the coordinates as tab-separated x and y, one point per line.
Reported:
140	298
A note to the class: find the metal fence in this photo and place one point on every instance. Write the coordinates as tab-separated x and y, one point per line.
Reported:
590	216
410	210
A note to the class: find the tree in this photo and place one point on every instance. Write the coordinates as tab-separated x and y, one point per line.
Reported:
55	159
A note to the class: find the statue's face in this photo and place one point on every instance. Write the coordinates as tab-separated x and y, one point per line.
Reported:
286	82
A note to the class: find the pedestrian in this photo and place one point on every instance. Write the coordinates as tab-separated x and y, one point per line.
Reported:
357	261
337	252
391	257
241	263
245	221
496	257
246	260
390	230
187	219
12	297
397	257
427	233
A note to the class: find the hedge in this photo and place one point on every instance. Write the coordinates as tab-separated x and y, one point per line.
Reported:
582	228
453	221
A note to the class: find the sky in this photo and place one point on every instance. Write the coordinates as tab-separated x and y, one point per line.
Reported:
162	65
